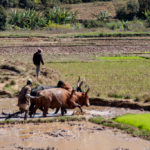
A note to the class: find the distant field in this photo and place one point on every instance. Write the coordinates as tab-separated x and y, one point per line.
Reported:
141	121
120	58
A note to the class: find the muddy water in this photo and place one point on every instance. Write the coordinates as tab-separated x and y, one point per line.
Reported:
67	136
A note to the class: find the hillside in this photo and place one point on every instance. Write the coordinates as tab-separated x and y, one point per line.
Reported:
86	10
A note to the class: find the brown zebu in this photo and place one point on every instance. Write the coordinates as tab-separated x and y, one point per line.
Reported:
60	84
61	98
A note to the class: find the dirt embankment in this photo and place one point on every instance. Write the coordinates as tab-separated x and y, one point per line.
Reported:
119	103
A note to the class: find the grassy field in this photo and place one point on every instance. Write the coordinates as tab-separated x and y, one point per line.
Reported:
120	78
140	121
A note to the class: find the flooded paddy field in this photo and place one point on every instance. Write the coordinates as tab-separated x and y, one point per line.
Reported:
67	136
72	135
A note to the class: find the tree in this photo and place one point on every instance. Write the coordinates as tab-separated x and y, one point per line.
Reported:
3	17
26	3
3	3
144	6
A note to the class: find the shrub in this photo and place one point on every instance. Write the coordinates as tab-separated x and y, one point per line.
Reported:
135	25
93	0
50	3
92	23
12	3
26	3
51	25
60	16
79	1
115	25
27	19
12	82
127	11
3	18
102	16
132	8
147	15
71	1
144	5
3	3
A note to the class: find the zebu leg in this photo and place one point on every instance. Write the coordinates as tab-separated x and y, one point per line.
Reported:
63	111
77	105
31	108
56	111
45	111
26	114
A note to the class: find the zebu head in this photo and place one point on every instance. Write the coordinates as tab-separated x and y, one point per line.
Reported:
83	98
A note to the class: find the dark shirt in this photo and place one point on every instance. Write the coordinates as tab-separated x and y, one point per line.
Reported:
37	58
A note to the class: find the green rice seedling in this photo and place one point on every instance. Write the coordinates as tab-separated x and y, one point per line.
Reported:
96	120
140	121
120	58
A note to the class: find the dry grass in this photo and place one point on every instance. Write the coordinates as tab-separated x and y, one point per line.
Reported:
85	10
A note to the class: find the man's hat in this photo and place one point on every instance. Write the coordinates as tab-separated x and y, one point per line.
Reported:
40	50
29	81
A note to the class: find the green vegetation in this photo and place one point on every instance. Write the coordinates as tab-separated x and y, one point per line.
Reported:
60	16
120	58
144	5
79	1
102	16
56	119
28	19
147	15
127	128
3	17
126	11
110	34
141	121
97	120
59	12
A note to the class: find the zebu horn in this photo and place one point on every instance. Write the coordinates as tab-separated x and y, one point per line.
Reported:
84	88
88	90
78	81
81	83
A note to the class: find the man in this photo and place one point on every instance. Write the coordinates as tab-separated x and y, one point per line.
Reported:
23	100
37	60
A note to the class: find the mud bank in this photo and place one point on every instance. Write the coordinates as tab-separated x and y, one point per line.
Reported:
119	103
